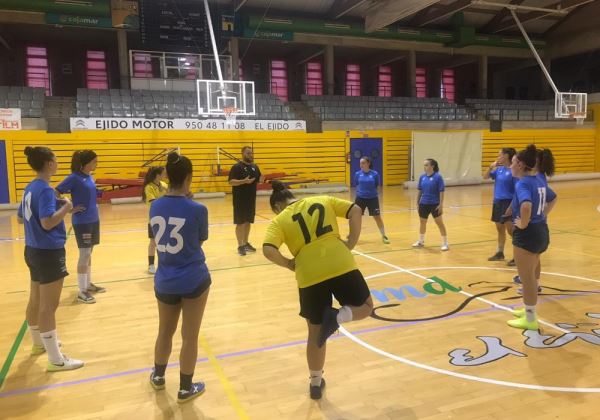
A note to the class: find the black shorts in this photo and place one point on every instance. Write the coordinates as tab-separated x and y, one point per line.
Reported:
499	209
535	238
370	203
244	211
150	233
349	289
426	209
87	234
174	299
46	265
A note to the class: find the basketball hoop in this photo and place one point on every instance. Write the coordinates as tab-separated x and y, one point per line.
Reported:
579	117
230	115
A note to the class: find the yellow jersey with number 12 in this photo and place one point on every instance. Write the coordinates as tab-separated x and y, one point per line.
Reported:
309	229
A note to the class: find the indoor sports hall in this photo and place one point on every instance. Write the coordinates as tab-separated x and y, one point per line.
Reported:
314	95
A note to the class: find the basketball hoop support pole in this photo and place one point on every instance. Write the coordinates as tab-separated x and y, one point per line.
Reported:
214	44
534	51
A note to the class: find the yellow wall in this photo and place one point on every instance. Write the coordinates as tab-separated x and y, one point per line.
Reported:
319	156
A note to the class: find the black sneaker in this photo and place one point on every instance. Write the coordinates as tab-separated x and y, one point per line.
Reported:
157	382
249	248
316	392
242	250
511	263
197	389
329	325
498	256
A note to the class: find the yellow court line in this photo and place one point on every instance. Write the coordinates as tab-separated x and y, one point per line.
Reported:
233	399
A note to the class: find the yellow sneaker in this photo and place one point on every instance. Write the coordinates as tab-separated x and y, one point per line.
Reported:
523	324
37	349
519	313
385	239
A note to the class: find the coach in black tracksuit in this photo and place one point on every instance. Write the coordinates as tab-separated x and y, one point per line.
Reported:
244	177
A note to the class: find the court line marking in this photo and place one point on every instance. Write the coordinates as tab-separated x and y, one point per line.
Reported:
255	350
400	359
12	353
489	302
229	391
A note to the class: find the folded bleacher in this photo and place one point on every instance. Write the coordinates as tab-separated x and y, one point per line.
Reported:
512	109
163	104
373	108
29	100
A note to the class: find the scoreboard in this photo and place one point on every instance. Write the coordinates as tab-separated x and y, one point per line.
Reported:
178	26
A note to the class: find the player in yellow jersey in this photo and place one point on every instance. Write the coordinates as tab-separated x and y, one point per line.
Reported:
154	187
323	264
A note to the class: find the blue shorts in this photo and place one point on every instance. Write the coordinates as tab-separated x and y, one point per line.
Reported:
535	238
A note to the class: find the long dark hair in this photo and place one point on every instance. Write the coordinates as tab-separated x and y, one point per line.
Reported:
433	162
280	194
38	156
151	175
545	162
510	151
528	156
178	169
81	158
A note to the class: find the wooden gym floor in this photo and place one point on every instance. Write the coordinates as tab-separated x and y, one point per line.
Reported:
431	352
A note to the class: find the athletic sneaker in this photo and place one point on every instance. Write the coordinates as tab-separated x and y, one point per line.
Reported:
95	289
385	239
519	313
316	392
37	349
67	364
511	263
329	325
249	248
520	290
418	244
498	256
523	324
157	382
152	269
197	389
445	247
85	297
242	250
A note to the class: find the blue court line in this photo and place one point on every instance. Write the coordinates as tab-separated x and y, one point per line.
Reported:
261	349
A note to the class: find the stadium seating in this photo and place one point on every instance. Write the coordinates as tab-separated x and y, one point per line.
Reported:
373	108
163	104
29	100
512	109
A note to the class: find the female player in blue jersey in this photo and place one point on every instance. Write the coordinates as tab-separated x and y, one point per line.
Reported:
533	200
182	279
367	180
431	201
504	189
544	169
85	220
45	236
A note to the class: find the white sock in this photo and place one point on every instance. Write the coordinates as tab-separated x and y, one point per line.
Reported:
530	313
422	238
51	344
315	377
344	315
34	330
445	240
82	281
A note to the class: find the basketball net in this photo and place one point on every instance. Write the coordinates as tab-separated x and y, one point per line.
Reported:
229	113
579	117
